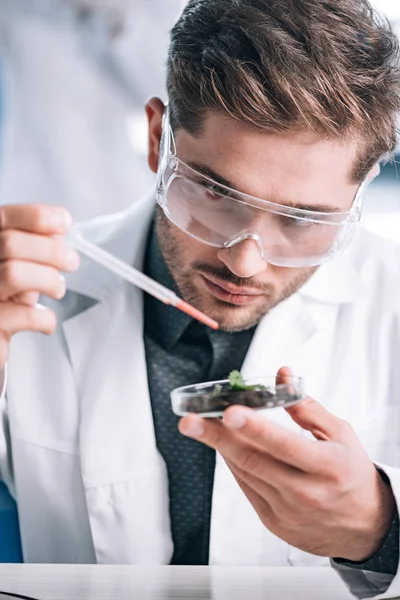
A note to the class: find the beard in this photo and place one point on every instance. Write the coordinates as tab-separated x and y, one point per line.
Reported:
173	244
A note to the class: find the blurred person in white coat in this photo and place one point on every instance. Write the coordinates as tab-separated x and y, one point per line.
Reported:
75	77
279	114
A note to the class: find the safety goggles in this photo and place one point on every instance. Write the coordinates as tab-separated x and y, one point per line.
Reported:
223	217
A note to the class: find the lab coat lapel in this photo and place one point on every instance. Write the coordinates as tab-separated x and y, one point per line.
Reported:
124	477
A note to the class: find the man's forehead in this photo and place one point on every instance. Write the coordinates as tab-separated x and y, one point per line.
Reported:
219	130
254	159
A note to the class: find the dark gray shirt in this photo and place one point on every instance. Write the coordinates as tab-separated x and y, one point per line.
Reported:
181	351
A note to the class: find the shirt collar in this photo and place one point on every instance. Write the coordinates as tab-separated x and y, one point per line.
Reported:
166	322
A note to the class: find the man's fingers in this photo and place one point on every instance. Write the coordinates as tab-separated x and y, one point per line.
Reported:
259	503
19	276
47	250
244	435
17	317
250	458
313	417
266	491
35	218
284	376
27	298
283	445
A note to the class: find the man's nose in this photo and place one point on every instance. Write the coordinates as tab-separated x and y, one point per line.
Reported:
243	259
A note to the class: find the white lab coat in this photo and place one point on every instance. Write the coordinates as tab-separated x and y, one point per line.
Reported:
78	447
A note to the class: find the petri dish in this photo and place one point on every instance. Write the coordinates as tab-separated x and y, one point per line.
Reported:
210	399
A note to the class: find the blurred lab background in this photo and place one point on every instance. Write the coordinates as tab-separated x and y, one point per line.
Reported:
74	77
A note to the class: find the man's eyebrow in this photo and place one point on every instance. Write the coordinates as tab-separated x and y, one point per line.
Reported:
209	172
322	208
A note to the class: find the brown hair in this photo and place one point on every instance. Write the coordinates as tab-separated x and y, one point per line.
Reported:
327	65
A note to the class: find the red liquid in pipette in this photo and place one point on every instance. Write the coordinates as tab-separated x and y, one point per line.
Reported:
196	314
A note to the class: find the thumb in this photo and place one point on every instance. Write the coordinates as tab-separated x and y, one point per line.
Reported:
313	417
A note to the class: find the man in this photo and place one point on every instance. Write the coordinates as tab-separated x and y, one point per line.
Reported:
278	116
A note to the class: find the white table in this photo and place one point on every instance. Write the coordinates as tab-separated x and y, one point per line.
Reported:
172	583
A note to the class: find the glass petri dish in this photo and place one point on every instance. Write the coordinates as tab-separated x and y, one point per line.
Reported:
212	398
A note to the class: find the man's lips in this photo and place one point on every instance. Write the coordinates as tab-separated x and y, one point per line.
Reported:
229	293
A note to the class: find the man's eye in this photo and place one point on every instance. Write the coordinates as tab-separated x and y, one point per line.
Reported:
298	223
216	190
303	223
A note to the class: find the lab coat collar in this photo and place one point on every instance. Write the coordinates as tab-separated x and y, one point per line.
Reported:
336	282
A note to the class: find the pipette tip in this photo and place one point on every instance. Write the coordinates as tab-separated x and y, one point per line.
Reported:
196	314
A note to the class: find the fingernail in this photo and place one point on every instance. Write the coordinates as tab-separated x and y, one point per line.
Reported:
72	260
60	219
62	287
39	306
234	419
193	428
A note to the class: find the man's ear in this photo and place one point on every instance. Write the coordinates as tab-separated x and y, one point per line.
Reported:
374	172
154	110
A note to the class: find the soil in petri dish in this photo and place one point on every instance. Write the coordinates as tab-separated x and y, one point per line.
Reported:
207	402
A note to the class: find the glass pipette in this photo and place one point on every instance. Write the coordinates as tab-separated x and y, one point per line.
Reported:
132	275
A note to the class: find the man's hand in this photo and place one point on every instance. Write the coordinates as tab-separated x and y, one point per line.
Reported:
32	254
323	496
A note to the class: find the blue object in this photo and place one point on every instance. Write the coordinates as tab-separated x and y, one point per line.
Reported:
10	539
1	101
